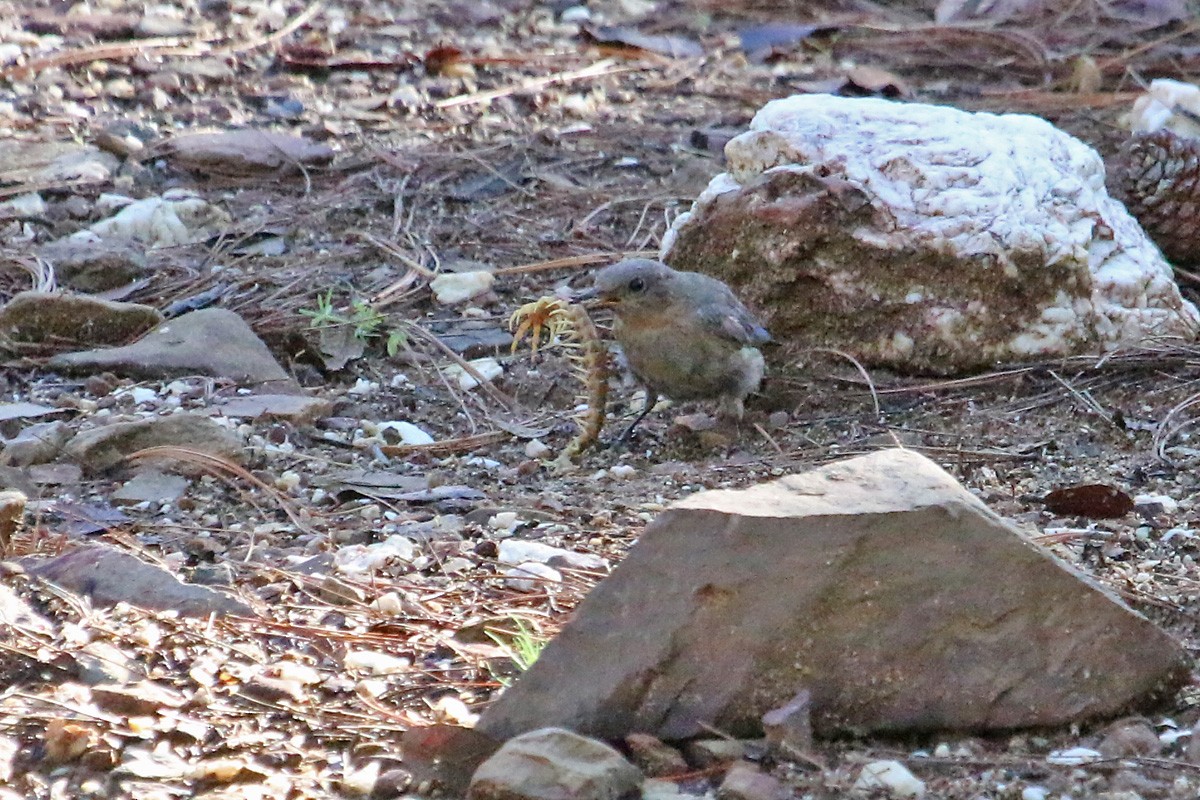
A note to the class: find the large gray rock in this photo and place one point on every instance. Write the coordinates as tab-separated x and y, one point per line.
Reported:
926	238
878	584
554	764
212	341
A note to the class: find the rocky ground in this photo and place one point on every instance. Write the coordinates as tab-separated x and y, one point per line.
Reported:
370	538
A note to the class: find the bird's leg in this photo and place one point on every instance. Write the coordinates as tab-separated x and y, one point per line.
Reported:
651	401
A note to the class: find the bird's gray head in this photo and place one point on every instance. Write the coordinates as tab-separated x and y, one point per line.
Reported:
633	284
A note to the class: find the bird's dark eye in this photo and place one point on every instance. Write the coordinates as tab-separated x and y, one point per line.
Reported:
637	285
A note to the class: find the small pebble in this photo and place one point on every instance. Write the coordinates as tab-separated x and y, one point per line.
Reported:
891	776
536	448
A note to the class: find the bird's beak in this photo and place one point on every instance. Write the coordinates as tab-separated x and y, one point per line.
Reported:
585	295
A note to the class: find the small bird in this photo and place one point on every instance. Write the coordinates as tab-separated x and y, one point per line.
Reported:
685	335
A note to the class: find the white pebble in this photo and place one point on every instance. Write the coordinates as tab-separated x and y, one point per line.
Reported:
357	558
518	551
891	776
362	386
622	471
1034	793
1073	756
143	394
390	604
531	576
455	287
409	433
489	368
288	479
536	448
504	521
375	663
457	565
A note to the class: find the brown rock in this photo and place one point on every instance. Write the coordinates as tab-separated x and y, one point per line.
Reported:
54	318
243	153
103	448
877	583
95	266
109	576
1130	738
705	753
554	764
212	341
294	408
654	757
745	781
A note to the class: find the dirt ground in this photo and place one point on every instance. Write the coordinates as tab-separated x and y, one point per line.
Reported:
536	140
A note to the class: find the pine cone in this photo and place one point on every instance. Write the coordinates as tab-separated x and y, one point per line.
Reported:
1157	175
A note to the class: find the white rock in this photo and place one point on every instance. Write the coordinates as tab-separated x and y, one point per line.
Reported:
389	604
1034	793
1073	756
517	551
29	204
1168	504
358	559
576	15
488	367
1008	193
457	565
375	663
363	387
409	433
1169	104
536	448
622	471
293	671
456	287
142	394
175	218
891	776
504	521
530	576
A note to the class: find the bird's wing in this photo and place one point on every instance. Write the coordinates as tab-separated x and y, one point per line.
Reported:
732	322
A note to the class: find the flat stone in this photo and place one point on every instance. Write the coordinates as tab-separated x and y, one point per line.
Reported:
57	318
95	266
103	448
654	757
877	583
297	409
39	443
109	576
151	486
554	764
745	781
212	341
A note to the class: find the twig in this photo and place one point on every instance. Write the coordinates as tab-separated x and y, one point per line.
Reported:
601	68
572	261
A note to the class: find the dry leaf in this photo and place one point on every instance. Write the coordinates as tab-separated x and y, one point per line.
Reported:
631	39
66	740
239	153
1093	500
